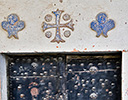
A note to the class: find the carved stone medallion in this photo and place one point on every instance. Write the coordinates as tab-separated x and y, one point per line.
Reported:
102	24
69	25
13	25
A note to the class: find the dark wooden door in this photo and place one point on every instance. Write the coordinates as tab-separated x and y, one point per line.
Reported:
93	77
64	77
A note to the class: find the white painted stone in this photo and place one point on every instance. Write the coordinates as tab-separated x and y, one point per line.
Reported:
124	76
3	77
32	38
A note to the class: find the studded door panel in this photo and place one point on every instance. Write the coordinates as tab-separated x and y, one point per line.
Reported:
64	77
36	78
93	78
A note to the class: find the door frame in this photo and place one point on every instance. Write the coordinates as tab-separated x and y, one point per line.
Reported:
3	71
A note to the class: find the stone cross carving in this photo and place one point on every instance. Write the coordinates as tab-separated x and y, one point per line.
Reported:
13	25
102	25
58	25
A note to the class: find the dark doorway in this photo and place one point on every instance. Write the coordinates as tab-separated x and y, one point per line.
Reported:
64	77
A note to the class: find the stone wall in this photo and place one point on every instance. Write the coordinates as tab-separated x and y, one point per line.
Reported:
75	29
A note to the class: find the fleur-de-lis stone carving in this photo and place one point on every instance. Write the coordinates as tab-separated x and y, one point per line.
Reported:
102	24
13	25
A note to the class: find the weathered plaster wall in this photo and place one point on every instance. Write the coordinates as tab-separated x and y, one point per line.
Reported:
83	12
124	76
